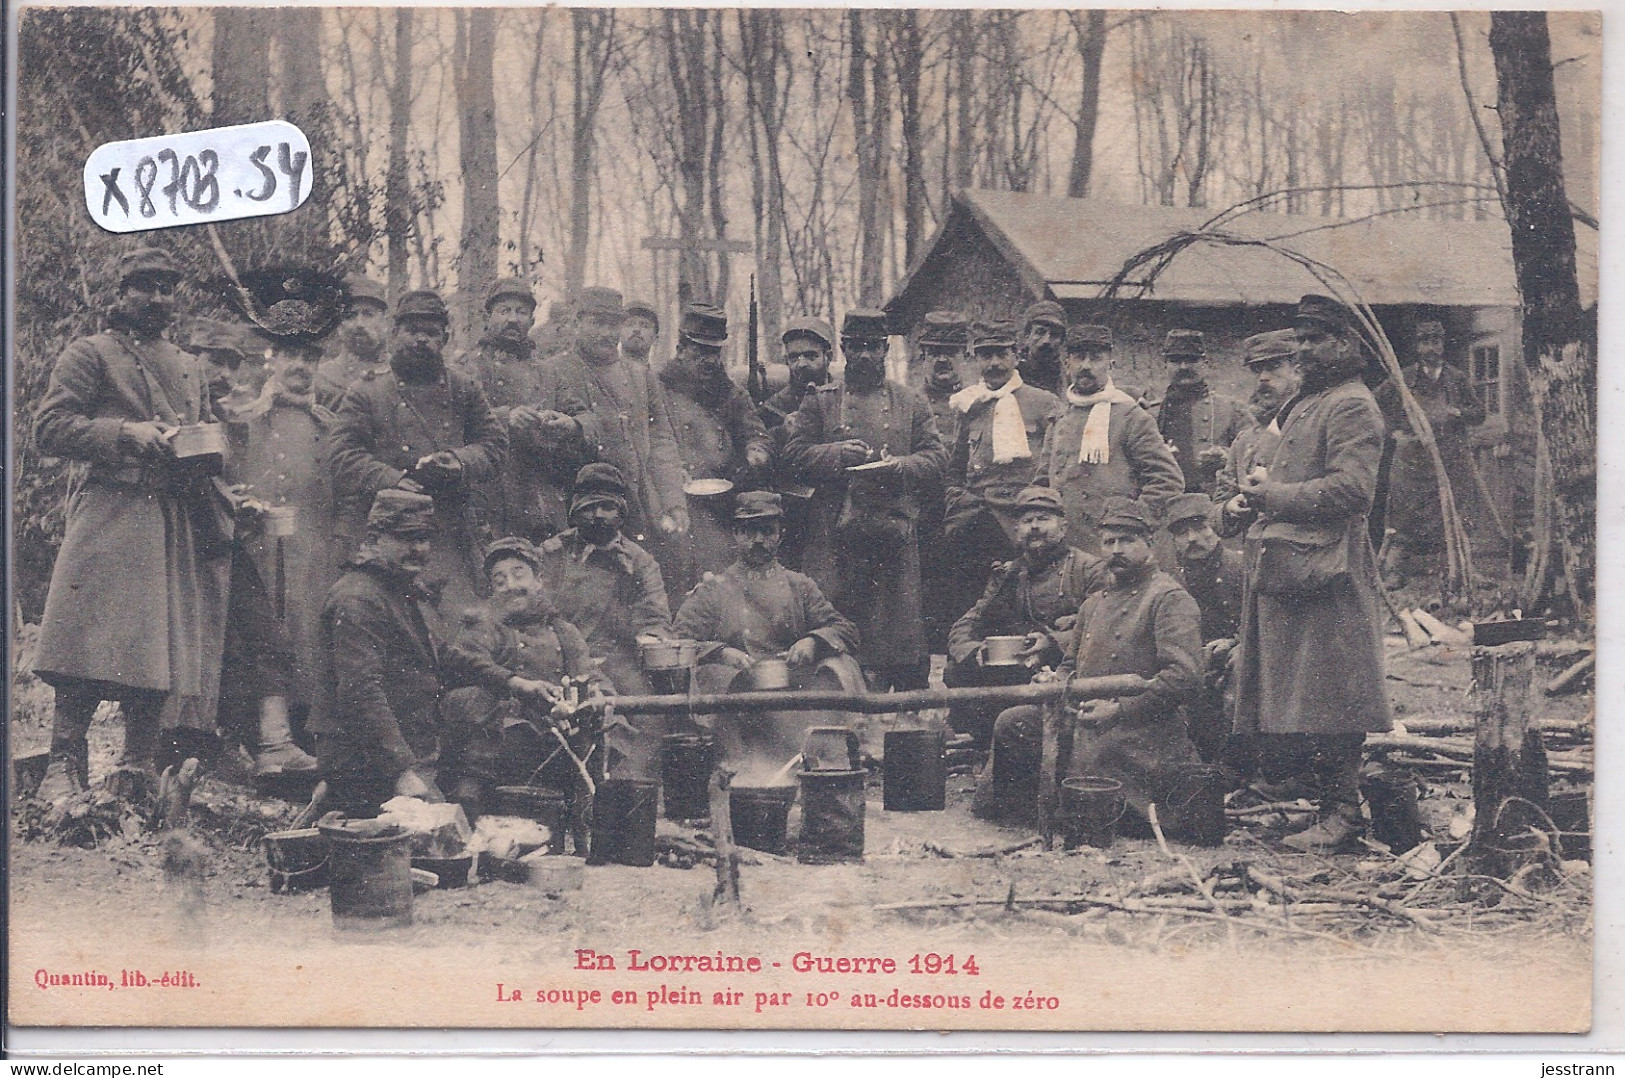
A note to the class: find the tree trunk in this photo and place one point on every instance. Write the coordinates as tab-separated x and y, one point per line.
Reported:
908	47
303	89
1509	757
762	48
397	186
964	147
477	153
866	94
1090	31
241	65
1558	336
686	53
593	45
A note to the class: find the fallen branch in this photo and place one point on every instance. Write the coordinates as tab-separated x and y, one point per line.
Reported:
1278	886
1570	679
997	851
1201	884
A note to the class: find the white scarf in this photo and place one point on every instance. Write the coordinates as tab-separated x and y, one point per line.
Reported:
1096	446
1009	428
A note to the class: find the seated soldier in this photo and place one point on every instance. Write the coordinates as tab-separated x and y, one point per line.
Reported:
1144	623
756	609
505	729
1211	573
1036	596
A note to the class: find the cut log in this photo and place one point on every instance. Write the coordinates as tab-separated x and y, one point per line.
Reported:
1573	677
1414	634
1509	757
1439	631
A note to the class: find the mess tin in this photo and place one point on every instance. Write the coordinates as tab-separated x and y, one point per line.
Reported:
669	654
769	675
831	748
200	444
707	488
1003	650
281	521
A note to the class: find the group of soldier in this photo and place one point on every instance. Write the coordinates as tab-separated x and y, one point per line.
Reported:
439	568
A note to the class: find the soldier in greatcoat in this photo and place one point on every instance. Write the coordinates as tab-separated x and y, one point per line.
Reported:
139	585
362	337
1198	423
425	427
1272	358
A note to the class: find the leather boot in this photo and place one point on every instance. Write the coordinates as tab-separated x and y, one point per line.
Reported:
73	757
276	751
1337	828
142	733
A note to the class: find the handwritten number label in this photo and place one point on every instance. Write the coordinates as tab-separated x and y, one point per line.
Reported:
194	177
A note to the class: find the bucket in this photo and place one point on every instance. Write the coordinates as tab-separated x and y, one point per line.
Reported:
1195	804
1396	821
668	654
623	823
1571	812
297	860
1090	808
831	748
452	872
761	816
915	771
685	775
831	817
369	874
540	803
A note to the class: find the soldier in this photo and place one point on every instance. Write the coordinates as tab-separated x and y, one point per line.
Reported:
640	329
1000	423
1452	408
232	381
943	367
634	426
548	425
1143	623
719	436
1309	671
420	426
809	346
1273	359
1198	423
755	609
517	651
1104	444
377	721
1043	331
862	547
140	580
1212	573
361	338
1037	596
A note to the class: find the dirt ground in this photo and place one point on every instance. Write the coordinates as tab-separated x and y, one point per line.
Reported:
1259	967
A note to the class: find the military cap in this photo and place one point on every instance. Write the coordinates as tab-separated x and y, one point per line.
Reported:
1080	338
809	327
510	288
944	329
993	334
1125	514
401	512
514	546
213	335
149	261
1183	507
1269	347
422	303
1327	312
365	289
704	324
1430	328
644	308
1039	498
1184	342
1046	311
599	478
864	324
599	300
758	505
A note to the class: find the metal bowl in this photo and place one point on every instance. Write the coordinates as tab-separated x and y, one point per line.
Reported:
769	675
669	654
707	488
1003	650
281	521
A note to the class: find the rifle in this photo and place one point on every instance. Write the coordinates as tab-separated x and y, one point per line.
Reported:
756	384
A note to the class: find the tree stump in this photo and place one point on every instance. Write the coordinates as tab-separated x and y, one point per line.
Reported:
1509	755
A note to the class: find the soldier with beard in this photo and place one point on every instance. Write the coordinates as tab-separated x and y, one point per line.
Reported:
139	583
640	329
809	347
719	436
1212	573
549	426
1273	359
1043	332
1198	423
224	354
361	338
941	369
422	427
863	546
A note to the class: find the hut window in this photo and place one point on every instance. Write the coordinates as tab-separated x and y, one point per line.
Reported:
1486	376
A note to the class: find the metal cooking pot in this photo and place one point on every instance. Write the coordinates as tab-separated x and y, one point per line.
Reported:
831	748
770	675
1003	650
282	521
669	654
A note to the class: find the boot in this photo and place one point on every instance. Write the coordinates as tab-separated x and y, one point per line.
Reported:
276	751
73	754
1337	828
142	733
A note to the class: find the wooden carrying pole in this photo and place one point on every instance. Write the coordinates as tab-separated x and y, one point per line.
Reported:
1509	756
879	703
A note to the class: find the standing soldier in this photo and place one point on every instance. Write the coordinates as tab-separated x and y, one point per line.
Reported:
943	368
422	427
1273	359
1043	332
1310	675
634	427
863	548
1104	444
361	340
1000	423
1198	423
809	348
719	436
377	720
640	329
548	425
141	577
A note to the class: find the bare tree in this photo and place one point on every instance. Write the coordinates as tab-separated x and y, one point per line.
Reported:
398	213
764	61
474	54
593	47
869	95
1089	34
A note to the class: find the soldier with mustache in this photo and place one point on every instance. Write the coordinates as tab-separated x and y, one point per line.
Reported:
361	339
